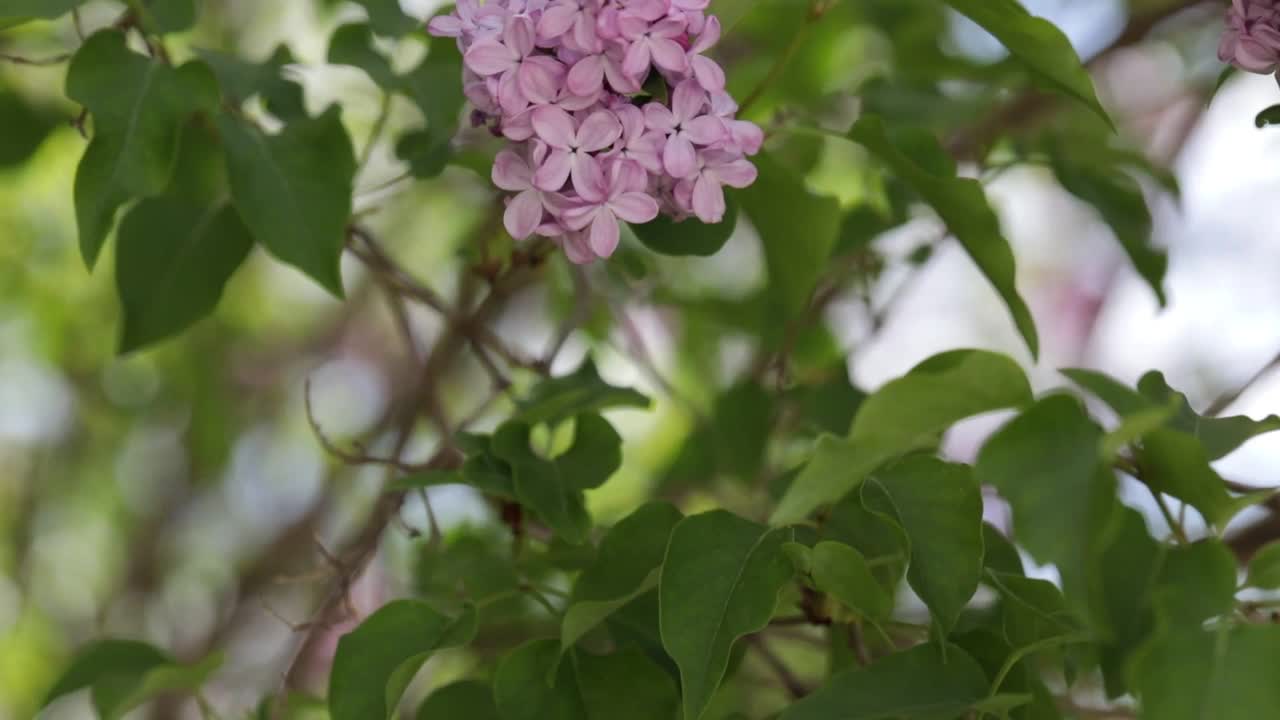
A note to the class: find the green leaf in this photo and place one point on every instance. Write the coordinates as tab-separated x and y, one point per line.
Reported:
1227	674
123	674
1119	200
353	45
720	581
387	18
625	685
436	86
923	683
999	553
467	699
522	690
138	105
939	507
1196	582
241	80
1270	116
1034	610
1041	46
962	205
904	415
166	16
1045	462
1175	463
582	391
1127	572
26	125
689	236
1264	568
426	154
293	190
375	663
174	259
843	573
881	540
44	9
553	488
626	566
798	230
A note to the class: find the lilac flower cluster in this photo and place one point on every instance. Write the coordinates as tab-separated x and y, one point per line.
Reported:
1251	41
562	81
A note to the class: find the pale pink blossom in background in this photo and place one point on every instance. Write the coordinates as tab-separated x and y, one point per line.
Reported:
1251	40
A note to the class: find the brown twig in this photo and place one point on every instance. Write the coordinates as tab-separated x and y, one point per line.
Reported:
793	685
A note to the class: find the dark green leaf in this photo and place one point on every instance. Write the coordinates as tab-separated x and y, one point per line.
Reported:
690	236
1034	610
387	18
1118	199
1227	674
917	684
436	86
881	540
625	685
1045	462
583	391
1219	436
375	663
962	205
46	9
138	105
174	259
626	566
939	507
906	414
998	553
843	573
1264	568
426	153
524	692
293	190
166	16
1176	464
1128	568
242	80
798	230
353	45
1270	116
1038	44
719	582
26	125
465	700
123	674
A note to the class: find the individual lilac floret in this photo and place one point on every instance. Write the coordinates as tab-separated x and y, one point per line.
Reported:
612	111
1251	41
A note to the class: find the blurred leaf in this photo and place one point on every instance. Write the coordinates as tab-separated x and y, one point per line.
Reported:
689	236
1120	202
387	18
466	700
1227	674
1176	464
557	399
625	685
1219	436
843	573
630	555
1128	569
1036	42
916	684
13	10
472	567
1264	568
939	507
25	127
1197	582
353	45
831	404
123	674
881	540
436	86
375	663
553	488
524	692
1045	463
166	16
293	190
426	153
1270	116
906	414
962	205
138	105
1034	610
999	553
241	80
720	581
798	230
173	260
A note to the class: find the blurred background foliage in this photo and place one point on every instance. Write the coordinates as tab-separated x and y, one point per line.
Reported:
180	495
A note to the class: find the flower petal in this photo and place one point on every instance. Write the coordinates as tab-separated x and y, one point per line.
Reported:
678	157
553	172
599	131
510	97
636	62
511	172
540	78
634	207
556	21
604	233
708	74
519	35
658	117
687	100
588	177
708	199
737	173
668	55
554	126
587	76
709	36
706	130
577	249
445	26
489	57
523	215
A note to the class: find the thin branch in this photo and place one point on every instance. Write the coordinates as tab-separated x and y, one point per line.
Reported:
359	456
1229	398
789	681
35	62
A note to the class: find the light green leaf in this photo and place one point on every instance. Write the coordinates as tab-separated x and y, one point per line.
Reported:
123	674
962	205
1175	463
939	507
582	391
1264	568
690	236
174	259
797	228
906	414
843	573
627	565
1040	45
465	700
293	190
916	684
375	663
138	105
1045	463
720	581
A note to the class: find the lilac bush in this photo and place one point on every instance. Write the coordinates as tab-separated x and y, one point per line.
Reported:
564	82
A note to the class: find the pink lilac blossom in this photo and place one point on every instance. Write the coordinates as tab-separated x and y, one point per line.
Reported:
1251	40
612	110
